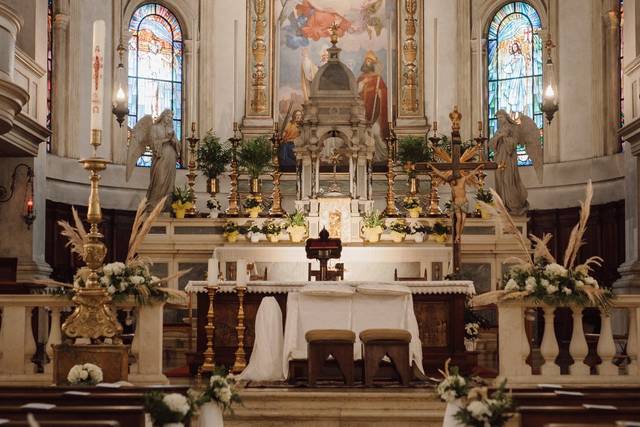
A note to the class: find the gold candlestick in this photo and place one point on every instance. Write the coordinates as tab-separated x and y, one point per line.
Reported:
191	176
233	209
434	197
209	364
276	207
93	317
391	210
240	362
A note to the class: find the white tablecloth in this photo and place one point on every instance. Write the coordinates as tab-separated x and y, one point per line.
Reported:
355	312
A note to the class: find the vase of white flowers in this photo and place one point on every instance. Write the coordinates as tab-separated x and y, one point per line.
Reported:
482	409
85	374
218	397
168	410
471	333
452	389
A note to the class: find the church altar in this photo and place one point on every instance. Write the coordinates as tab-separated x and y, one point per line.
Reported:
438	308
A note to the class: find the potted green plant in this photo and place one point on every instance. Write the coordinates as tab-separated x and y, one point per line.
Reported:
255	157
439	232
253	205
212	160
399	230
231	231
296	226
372	226
272	230
254	233
483	195
412	150
182	200
419	232
412	205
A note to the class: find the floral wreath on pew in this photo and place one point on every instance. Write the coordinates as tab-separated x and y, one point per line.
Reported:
539	276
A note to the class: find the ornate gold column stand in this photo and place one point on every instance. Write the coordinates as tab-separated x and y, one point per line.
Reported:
209	364
233	209
191	176
391	210
240	362
93	317
276	207
410	50
434	197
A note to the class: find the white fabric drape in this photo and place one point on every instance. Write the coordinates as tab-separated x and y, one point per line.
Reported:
266	359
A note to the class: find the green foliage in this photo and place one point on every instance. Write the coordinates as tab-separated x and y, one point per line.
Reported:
484	411
445	144
412	150
250	203
400	226
484	195
296	218
440	229
373	219
211	156
421	228
182	195
255	156
271	227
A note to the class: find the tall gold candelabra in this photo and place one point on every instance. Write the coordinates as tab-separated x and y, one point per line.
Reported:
240	362
481	142
434	197
234	209
191	176
93	317
209	364
276	206
391	210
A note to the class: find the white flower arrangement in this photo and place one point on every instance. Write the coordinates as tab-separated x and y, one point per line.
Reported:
85	374
221	389
471	330
177	403
453	386
168	408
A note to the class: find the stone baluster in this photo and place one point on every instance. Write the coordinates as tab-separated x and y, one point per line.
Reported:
578	347
513	354
149	355
549	346
632	341
135	349
55	337
606	346
16	334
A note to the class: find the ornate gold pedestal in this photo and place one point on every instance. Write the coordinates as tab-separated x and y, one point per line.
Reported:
234	209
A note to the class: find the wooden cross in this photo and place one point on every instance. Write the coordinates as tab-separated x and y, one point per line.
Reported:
458	162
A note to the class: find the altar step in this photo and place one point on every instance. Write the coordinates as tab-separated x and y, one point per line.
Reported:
333	407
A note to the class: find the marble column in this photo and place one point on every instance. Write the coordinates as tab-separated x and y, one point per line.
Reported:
60	141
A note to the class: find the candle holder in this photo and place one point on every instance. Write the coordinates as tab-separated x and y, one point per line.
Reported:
481	142
276	207
240	362
209	364
391	210
93	317
191	176
233	209
434	197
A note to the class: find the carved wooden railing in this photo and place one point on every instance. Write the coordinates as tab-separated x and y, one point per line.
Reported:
514	347
18	345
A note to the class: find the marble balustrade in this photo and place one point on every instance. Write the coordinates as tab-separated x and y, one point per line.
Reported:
18	346
514	347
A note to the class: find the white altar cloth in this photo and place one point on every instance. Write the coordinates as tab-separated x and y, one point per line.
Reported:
355	312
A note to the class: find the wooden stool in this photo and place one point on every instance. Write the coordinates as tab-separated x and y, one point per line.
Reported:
390	342
322	343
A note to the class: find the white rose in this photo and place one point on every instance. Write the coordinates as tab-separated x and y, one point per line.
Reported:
591	281
104	280
225	394
84	374
579	284
111	289
108	270
556	270
216	379
136	280
530	281
544	283
551	289
478	409
511	286
176	403
567	291
74	374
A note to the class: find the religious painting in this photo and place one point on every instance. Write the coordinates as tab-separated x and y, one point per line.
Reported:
514	49
155	67
363	29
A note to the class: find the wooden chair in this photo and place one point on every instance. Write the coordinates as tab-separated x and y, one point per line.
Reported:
322	343
393	343
408	279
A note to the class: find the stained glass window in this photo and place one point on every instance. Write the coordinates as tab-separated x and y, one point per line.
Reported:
49	66
155	67
514	59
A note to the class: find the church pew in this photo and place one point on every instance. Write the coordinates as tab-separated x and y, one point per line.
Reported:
61	399
595	398
64	424
94	390
536	416
130	416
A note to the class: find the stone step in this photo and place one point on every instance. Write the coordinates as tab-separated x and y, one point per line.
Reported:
334	407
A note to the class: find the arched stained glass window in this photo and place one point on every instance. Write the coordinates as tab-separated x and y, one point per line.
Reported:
514	59
155	67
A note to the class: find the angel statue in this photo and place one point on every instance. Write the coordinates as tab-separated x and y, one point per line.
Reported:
160	137
509	136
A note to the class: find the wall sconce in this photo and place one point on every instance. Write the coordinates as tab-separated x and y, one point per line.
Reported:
120	105
549	104
28	213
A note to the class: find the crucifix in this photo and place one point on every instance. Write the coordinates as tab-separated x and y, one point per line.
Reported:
458	171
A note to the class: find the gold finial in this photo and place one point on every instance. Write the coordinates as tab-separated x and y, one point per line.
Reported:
455	118
333	29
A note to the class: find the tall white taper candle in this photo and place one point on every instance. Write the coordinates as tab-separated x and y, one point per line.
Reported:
212	272
241	272
235	71
389	72
97	74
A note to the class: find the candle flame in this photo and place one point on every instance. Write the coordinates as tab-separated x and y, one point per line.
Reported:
549	92
120	96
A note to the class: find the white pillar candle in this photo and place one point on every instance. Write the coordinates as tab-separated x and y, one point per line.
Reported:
235	71
241	272
97	74
212	272
389	73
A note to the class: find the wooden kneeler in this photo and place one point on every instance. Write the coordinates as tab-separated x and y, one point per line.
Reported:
378	343
322	343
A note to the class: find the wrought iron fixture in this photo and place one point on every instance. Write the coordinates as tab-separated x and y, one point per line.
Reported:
28	213
549	104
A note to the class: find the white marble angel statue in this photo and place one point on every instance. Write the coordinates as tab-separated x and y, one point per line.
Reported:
504	143
160	137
